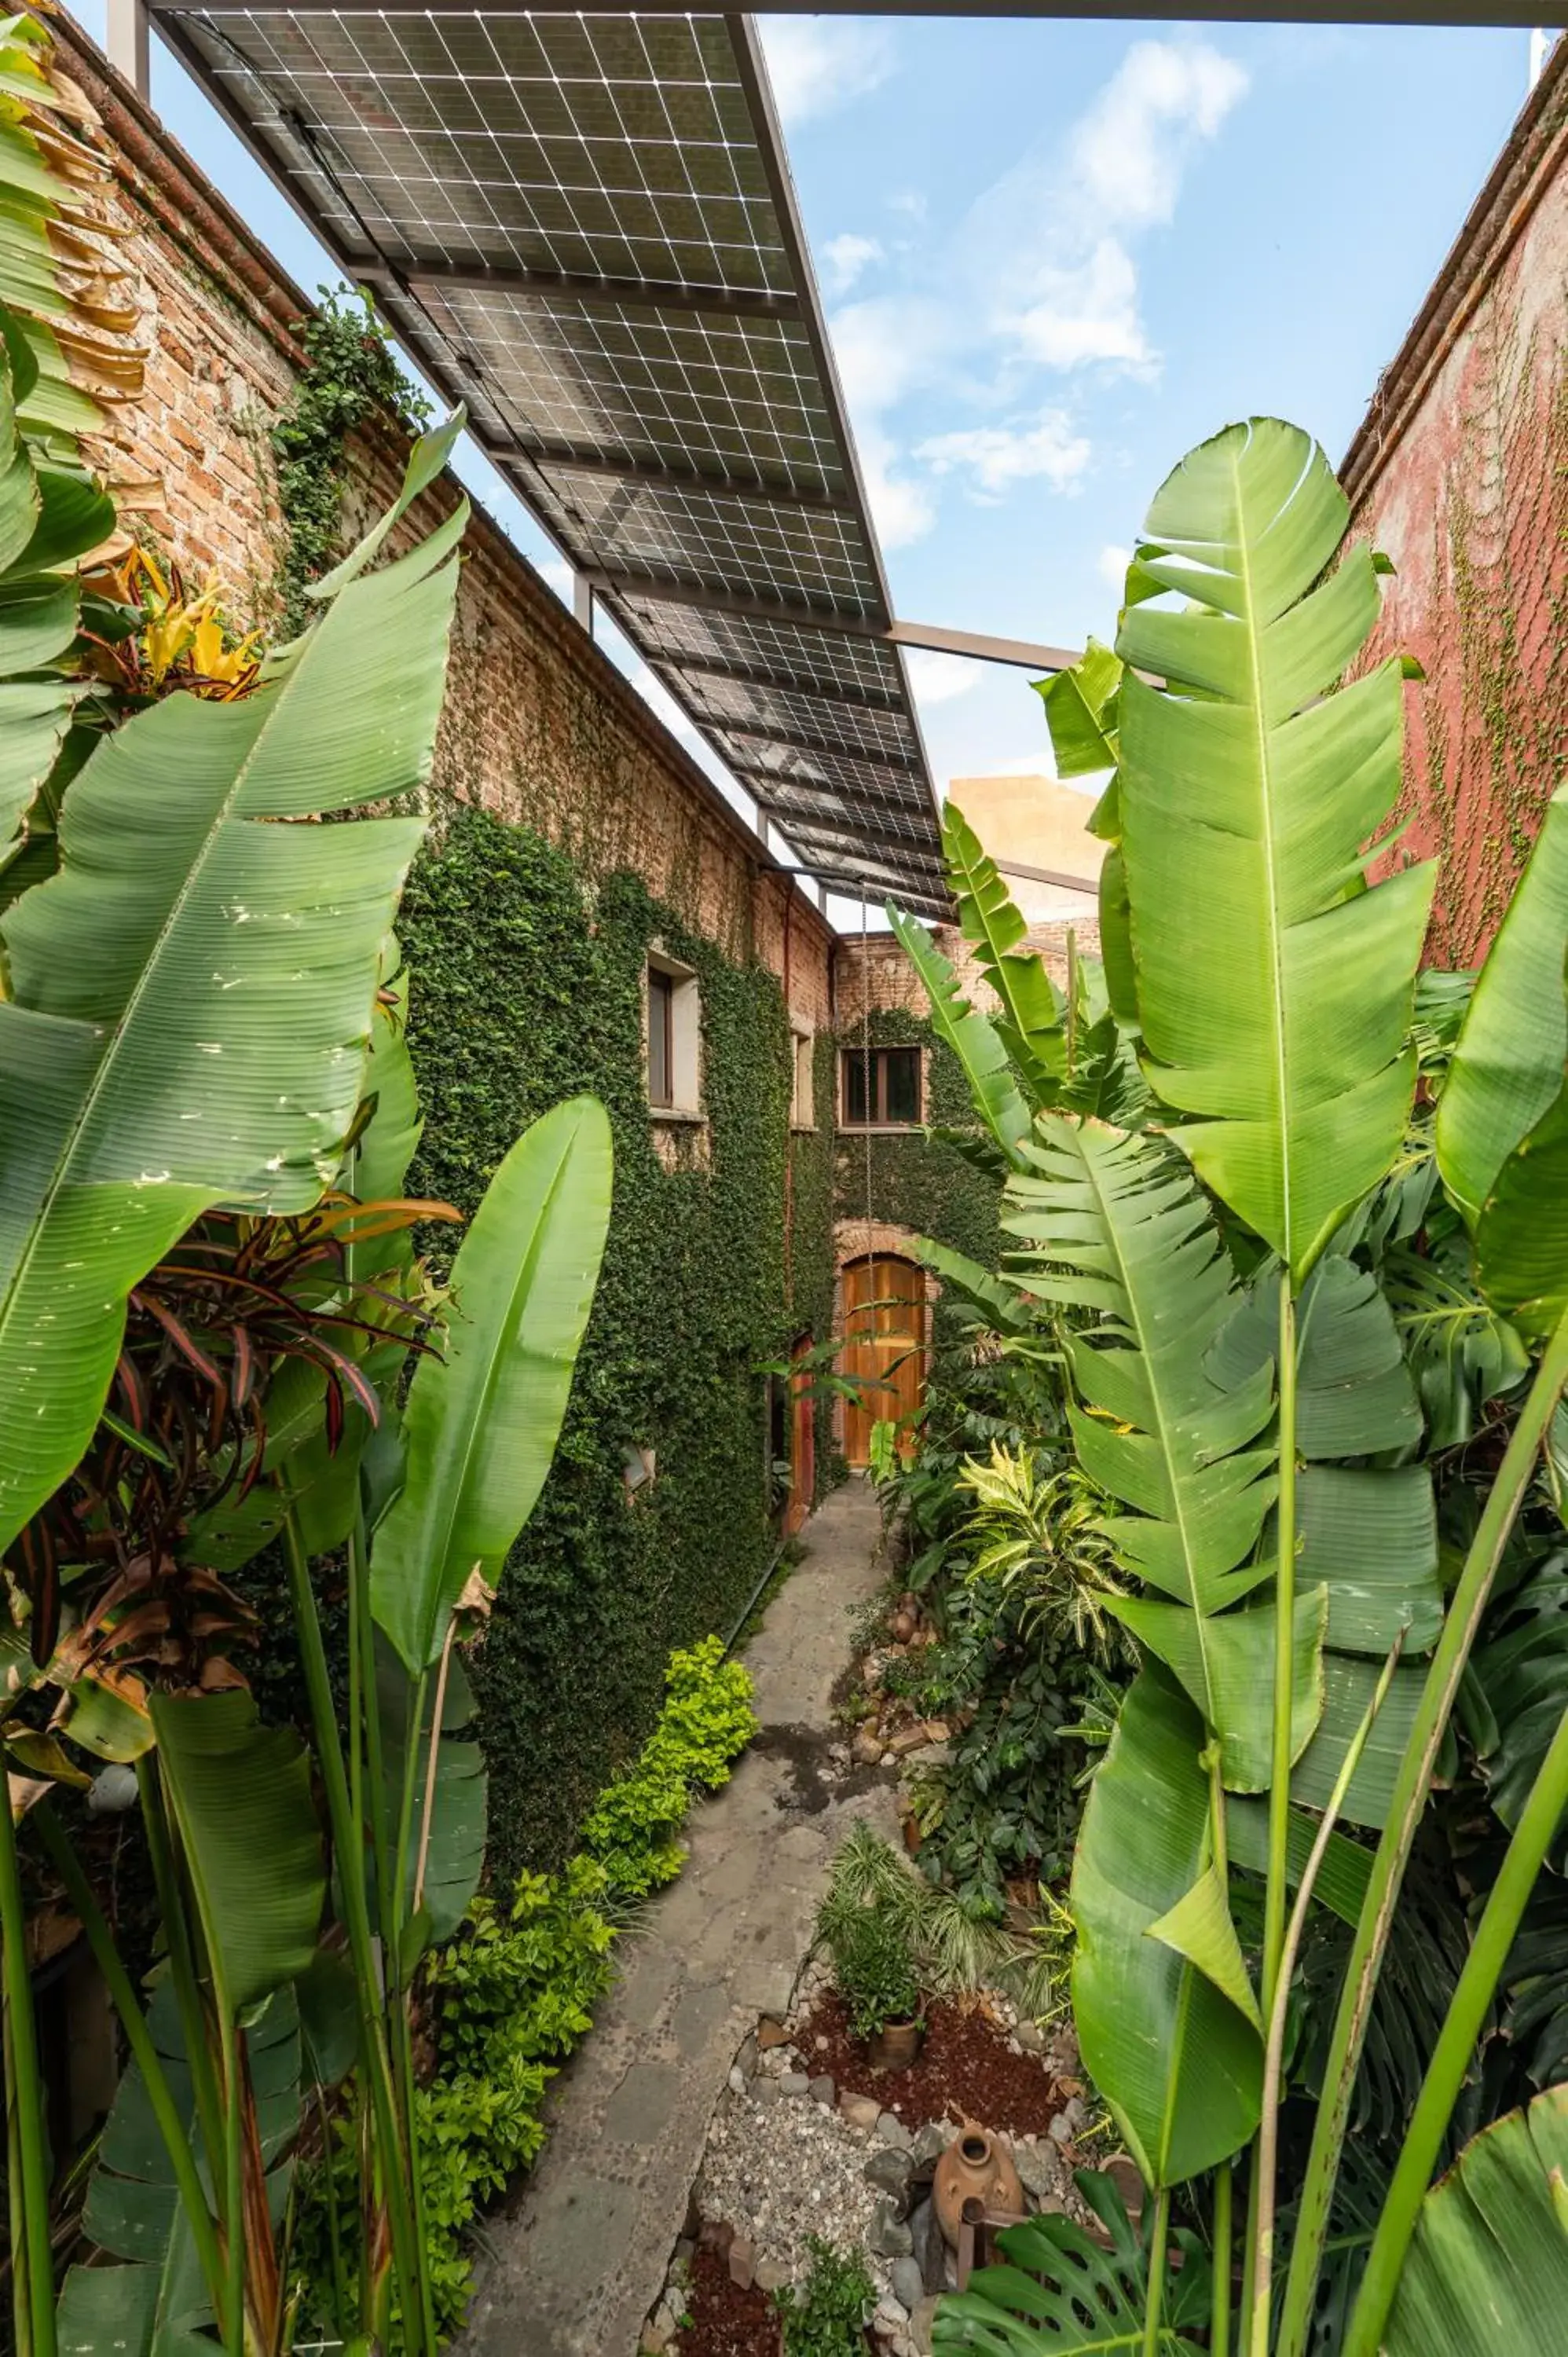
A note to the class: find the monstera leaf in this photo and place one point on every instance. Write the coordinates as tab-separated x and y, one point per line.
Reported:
1246	791
1179	2062
1488	2267
972	1036
155	2303
1060	2292
190	996
482	1419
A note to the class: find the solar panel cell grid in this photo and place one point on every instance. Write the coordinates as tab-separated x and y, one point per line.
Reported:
617	149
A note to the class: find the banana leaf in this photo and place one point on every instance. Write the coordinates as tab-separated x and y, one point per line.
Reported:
482	1420
1180	2067
1521	1671
1342	1877
1030	1023
1505	1072
998	1302
241	1794
457	1821
1060	2292
191	993
1118	1224
1521	1237
972	1036
1246	791
155	2304
1081	712
1488	2267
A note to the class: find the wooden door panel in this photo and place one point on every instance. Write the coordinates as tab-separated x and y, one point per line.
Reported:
885	1341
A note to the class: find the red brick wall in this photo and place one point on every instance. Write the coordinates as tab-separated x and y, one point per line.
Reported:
874	971
1460	474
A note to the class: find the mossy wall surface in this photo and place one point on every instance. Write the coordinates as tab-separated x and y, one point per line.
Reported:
527	986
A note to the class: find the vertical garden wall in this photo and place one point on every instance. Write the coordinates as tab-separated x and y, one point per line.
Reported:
527	986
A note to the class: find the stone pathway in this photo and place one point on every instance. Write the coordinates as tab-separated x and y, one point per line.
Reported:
580	2258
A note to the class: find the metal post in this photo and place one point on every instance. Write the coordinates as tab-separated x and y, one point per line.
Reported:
128	43
583	601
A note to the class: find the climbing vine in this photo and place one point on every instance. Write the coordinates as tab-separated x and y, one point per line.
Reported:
527	986
350	376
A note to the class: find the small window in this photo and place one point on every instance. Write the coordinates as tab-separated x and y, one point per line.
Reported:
660	1038
800	1115
893	1075
674	1040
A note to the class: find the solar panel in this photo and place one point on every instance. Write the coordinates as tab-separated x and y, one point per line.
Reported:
583	227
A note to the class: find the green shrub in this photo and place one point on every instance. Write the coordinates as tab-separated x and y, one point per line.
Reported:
872	1967
706	1719
826	2318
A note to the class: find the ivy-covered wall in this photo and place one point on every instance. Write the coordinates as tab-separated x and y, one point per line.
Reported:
926	1184
527	986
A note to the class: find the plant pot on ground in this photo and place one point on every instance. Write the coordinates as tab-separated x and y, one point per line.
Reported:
875	1975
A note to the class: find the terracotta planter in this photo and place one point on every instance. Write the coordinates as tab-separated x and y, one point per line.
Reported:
974	2170
895	2045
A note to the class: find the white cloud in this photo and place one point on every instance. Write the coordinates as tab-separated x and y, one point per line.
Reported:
818	63
938	678
886	345
847	257
1128	151
996	456
903	510
1112	564
659	701
1087	311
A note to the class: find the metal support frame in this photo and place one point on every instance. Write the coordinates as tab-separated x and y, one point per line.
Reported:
527	284
129	43
1522	15
582	602
981	648
846	831
783	682
818	748
1047	876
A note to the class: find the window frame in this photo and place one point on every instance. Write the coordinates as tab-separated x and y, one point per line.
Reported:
854	1059
672	990
659	993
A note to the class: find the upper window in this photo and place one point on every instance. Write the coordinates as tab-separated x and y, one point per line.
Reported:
803	1046
674	1038
881	1087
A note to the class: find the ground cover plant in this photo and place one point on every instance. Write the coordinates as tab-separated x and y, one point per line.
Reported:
1297	1228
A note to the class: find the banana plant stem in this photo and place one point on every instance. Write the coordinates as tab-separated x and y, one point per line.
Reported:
233	2308
402	2045
1277	1893
1158	2255
348	1842
21	2313
182	1962
175	2131
1219	2323
35	2296
1412	1782
376	1799
1266	2160
1526	1853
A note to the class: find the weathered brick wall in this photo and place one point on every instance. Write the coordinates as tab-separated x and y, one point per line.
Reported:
1460	473
537	725
872	971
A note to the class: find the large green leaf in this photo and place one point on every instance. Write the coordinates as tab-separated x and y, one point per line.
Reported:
972	1036
241	1794
1226	1663
191	992
1029	1022
1118	1224
455	1854
481	1421
1521	1237
1081	712
1246	794
1506	1066
155	2304
1180	2067
1060	2292
1000	1303
1488	2267
1350	1682
1522	1671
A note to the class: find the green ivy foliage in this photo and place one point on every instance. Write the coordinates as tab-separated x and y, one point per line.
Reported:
527	986
925	1184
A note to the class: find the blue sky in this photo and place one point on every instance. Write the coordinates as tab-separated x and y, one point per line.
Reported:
1056	254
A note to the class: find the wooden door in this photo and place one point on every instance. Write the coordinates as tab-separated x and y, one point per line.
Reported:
884	1342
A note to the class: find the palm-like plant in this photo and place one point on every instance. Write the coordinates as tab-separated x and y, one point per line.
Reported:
1257	1437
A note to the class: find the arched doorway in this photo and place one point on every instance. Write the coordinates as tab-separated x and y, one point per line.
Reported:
885	1343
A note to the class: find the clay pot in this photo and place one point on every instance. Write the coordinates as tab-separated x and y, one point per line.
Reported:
895	2045
975	2168
902	1627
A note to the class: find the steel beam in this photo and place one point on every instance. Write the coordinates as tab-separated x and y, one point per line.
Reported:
127	42
890	798
980	648
1516	14
846	831
1047	876
579	287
